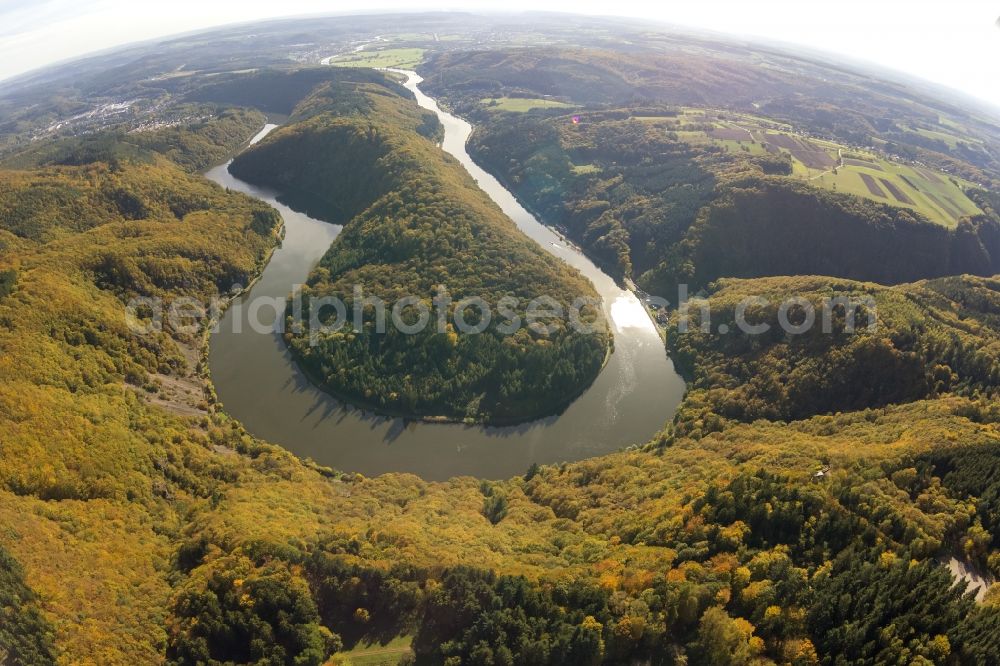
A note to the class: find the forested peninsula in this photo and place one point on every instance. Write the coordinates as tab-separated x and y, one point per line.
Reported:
415	222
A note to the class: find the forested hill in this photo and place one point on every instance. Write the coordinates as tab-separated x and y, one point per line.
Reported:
665	211
92	426
414	220
597	76
910	342
761	226
280	91
210	135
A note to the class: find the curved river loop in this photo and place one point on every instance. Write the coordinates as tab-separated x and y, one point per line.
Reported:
259	383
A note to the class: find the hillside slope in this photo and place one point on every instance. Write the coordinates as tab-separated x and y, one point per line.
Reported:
665	212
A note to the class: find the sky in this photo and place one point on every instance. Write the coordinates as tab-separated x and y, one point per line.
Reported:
955	43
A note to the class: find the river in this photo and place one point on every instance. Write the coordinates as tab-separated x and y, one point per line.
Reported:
259	383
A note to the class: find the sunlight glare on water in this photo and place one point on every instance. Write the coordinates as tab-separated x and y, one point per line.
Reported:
627	312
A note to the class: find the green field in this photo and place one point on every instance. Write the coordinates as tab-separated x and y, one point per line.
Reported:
424	37
375	655
582	169
402	58
950	139
522	104
684	117
936	195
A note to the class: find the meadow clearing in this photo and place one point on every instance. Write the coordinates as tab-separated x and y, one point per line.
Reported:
523	104
404	58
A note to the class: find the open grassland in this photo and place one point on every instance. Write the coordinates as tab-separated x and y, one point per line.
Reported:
375	654
522	104
404	58
938	196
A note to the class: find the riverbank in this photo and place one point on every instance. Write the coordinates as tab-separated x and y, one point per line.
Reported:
203	369
410	417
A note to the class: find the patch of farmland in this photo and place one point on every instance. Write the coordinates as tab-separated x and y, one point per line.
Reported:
861	163
405	58
789	143
947	208
729	134
872	186
954	204
802	150
937	196
657	119
815	159
522	104
929	175
952	140
896	192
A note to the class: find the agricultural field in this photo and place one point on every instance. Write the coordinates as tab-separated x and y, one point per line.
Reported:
403	58
951	139
938	196
425	37
522	104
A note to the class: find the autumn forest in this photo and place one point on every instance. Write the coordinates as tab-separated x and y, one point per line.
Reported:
817	497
